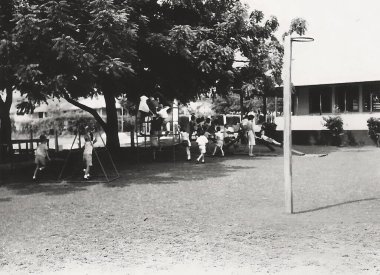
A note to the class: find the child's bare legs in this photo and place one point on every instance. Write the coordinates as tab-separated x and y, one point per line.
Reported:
250	150
36	170
188	153
201	157
216	147
87	171
154	153
221	150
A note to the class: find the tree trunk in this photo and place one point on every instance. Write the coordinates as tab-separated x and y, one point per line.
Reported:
265	107
241	105
5	128
5	123
112	129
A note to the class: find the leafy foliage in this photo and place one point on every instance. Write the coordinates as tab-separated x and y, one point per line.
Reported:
179	49
334	124
64	123
230	103
373	128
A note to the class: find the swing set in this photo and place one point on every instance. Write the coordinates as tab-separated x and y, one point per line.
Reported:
104	169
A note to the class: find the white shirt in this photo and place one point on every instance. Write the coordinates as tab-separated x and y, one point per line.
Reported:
143	105
163	112
42	150
185	135
202	141
219	137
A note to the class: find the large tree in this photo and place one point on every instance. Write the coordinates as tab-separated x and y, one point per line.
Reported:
7	70
76	49
180	49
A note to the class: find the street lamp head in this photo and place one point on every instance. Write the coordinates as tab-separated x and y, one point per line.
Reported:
302	39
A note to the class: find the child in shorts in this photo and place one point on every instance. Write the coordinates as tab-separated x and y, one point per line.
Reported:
202	141
219	136
41	155
87	154
185	137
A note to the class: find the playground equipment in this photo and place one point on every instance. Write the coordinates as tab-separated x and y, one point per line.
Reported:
157	129
104	169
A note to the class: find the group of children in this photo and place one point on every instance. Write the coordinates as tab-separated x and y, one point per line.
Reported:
206	130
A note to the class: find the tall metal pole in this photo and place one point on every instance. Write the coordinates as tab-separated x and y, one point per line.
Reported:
287	126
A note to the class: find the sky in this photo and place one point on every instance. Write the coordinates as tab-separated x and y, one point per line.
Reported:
346	34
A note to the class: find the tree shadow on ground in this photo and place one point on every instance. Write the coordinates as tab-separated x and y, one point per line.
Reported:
163	171
334	205
173	172
5	199
169	168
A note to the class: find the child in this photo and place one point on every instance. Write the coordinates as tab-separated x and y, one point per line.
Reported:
87	154
41	155
219	141
202	141
268	139
185	137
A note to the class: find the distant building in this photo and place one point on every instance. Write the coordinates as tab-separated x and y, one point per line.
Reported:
62	106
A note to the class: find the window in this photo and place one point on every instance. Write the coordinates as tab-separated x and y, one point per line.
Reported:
320	100
371	98
347	98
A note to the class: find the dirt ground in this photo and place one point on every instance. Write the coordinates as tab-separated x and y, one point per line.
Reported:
223	217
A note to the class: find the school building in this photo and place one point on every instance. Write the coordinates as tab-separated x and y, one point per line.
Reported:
355	102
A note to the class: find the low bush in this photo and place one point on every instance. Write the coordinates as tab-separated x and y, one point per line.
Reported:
335	126
373	128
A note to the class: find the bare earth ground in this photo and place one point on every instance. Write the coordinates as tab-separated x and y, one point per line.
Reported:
224	217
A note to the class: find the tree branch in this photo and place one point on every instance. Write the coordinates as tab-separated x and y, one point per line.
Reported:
93	112
9	99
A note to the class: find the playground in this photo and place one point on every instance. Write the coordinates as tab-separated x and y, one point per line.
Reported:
224	217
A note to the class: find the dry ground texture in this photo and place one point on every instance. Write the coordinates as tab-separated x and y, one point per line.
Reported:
223	217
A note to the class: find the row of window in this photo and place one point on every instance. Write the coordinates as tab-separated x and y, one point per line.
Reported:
346	99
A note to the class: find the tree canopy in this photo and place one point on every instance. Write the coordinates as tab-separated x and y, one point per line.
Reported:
177	48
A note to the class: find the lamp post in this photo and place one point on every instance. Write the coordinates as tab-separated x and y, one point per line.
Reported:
287	119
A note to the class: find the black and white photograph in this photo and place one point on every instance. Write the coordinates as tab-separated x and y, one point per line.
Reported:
189	137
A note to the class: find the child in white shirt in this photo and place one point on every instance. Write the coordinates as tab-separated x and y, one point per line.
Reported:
87	155
202	141
185	137
41	155
219	141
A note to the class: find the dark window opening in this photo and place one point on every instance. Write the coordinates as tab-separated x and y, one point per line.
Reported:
371	98
347	99
320	100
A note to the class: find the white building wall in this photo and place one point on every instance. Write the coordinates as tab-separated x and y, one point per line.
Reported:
352	121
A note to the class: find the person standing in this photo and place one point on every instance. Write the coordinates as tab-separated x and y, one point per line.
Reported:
87	154
251	134
192	126
41	154
219	136
202	141
186	142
